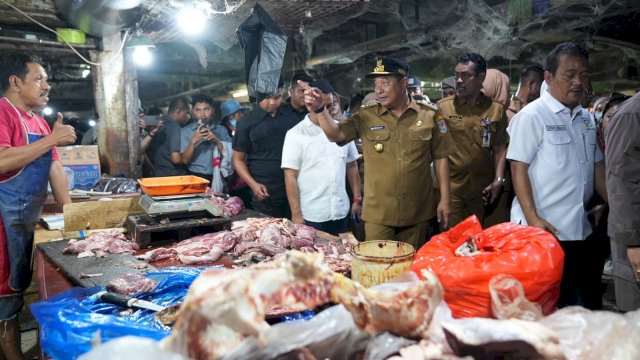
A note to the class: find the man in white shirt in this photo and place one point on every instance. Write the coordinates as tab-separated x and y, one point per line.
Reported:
556	163
314	173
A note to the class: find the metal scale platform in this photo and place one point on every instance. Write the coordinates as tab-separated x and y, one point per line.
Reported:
172	217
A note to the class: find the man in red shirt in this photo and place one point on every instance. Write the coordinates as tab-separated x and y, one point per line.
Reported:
28	160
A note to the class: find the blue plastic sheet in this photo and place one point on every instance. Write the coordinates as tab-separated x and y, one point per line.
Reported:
70	320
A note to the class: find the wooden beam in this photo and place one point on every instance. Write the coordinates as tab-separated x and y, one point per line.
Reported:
44	11
110	95
133	106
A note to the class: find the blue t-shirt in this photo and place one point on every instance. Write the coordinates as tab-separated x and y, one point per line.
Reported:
202	160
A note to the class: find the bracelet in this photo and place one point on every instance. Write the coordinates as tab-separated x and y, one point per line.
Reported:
357	200
501	179
319	110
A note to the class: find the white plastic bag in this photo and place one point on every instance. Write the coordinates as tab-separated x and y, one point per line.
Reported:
128	348
222	166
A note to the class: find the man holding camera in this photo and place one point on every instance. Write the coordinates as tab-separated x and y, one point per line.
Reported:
201	137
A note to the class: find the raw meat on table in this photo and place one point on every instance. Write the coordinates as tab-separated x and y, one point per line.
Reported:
252	239
100	243
129	284
223	307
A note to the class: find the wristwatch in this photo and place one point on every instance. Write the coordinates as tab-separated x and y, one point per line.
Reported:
501	179
319	110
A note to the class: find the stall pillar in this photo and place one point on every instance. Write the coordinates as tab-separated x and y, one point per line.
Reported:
115	86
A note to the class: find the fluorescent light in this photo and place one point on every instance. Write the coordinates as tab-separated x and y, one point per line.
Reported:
191	20
92	123
47	111
142	55
240	93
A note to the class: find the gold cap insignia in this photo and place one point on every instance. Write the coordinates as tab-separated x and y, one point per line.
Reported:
379	66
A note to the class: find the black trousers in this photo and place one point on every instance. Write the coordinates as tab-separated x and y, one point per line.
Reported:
274	207
333	227
582	276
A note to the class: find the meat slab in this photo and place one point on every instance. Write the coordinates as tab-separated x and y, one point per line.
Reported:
129	284
224	306
100	243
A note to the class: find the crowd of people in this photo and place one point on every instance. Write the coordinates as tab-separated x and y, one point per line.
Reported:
536	158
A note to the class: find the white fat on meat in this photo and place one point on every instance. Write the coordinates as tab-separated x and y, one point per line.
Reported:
100	243
222	307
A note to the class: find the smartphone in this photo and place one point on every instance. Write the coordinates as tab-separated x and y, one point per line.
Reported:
152	120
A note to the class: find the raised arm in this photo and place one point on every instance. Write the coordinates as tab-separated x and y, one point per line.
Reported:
15	158
317	111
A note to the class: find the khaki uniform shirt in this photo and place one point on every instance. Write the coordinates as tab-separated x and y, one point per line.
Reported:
398	186
622	154
475	129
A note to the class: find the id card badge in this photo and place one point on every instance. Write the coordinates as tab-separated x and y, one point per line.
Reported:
486	133
486	138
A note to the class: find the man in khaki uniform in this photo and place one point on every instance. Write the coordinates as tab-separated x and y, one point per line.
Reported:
478	128
622	155
399	140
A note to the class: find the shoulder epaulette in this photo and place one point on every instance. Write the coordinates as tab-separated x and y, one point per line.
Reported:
428	104
369	104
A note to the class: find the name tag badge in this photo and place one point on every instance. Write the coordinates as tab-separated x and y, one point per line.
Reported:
455	117
587	122
377	127
555	127
486	138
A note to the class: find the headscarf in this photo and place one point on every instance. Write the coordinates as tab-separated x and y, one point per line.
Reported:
496	86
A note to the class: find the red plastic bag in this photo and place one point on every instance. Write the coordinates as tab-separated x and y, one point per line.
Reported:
466	257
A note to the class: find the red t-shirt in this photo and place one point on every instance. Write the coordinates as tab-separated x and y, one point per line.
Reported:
12	135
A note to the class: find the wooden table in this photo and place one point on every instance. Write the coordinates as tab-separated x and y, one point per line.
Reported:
51	280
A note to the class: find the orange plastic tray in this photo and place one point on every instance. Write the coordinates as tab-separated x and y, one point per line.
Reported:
173	185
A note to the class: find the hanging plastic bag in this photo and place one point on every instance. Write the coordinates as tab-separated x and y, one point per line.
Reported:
466	258
221	166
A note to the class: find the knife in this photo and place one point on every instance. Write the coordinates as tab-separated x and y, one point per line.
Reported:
128	301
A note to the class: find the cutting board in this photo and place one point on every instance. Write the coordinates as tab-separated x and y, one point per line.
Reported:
100	214
109	267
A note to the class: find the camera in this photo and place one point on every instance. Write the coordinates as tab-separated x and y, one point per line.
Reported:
152	120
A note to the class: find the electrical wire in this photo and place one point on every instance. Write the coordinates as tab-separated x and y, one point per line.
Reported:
124	38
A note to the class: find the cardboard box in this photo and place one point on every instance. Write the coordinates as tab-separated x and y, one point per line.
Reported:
84	160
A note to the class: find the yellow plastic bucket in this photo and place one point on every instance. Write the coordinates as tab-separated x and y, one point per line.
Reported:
377	261
73	36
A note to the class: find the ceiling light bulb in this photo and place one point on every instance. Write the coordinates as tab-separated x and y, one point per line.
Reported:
92	123
142	55
47	111
308	13
85	73
191	21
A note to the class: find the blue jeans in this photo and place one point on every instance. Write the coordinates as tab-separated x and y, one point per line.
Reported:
333	227
10	306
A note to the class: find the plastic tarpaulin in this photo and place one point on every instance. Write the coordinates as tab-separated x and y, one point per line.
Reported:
69	321
264	46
